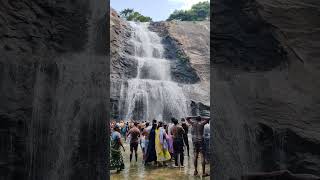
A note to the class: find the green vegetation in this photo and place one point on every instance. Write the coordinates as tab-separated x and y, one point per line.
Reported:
198	12
131	15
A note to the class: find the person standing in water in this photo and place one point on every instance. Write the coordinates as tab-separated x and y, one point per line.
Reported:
143	143
177	134
146	132
185	136
197	139
169	140
206	144
116	159
161	143
151	151
124	130
134	141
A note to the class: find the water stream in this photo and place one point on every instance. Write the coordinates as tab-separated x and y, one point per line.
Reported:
151	94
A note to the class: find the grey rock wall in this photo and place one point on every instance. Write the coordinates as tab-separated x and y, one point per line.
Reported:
53	89
265	88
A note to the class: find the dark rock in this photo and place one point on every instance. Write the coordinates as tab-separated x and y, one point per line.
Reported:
123	65
53	89
181	71
199	109
266	92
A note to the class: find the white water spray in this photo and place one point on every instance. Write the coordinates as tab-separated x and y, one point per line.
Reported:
152	94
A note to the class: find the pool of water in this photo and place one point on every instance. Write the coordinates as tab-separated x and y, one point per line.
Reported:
137	171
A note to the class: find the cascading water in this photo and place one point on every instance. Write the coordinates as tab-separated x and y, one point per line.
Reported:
152	94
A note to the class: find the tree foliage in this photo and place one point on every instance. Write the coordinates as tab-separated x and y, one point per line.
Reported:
198	12
131	15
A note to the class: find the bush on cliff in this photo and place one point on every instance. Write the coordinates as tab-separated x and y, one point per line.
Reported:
131	15
198	12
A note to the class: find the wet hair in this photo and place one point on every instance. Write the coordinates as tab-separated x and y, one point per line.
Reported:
116	127
198	118
174	120
154	125
160	124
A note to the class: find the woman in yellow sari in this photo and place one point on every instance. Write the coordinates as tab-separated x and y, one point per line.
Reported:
161	144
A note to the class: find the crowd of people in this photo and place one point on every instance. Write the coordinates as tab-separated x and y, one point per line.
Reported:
160	142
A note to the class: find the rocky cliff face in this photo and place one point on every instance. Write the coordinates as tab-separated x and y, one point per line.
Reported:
53	89
193	40
265	87
186	46
122	66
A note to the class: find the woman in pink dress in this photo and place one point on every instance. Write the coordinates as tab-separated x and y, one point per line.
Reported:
169	140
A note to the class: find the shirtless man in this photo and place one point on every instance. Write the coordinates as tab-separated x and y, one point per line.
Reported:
135	134
177	135
197	139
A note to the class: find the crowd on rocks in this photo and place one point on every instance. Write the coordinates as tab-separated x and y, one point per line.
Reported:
161	143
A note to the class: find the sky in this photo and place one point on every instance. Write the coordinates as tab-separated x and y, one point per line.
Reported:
158	10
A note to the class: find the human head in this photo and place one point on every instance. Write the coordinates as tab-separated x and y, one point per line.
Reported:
154	125
160	124
165	125
116	128
147	124
183	120
135	124
198	118
154	121
174	120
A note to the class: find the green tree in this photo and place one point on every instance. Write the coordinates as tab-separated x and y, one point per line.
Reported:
198	12
126	12
131	15
201	10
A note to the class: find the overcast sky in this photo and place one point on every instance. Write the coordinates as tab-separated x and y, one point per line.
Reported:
157	9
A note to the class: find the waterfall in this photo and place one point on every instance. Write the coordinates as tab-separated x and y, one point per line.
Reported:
151	94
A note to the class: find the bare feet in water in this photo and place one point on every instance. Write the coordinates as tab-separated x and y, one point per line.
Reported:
195	173
205	175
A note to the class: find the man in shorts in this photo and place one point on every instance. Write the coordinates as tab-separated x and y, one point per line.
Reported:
134	141
177	136
197	139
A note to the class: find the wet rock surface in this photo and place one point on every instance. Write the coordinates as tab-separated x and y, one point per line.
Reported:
187	43
122	66
265	99
53	89
181	70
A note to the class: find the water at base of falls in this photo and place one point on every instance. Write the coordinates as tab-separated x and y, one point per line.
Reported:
152	94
